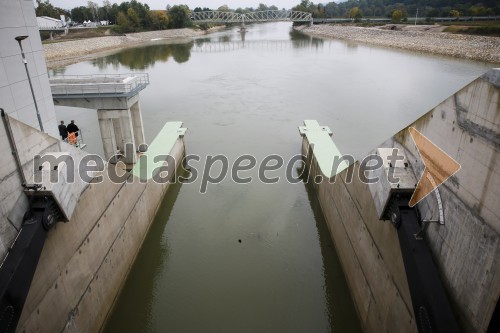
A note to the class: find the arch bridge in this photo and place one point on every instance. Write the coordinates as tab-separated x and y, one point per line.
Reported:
260	16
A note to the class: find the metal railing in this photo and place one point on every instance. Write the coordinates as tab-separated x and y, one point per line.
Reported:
98	85
51	28
278	15
260	16
77	141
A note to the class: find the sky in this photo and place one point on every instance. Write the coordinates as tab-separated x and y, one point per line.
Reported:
162	4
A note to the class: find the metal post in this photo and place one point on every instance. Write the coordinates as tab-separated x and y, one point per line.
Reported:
416	15
19	39
12	142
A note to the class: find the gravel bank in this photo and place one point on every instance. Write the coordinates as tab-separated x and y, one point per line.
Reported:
456	45
68	52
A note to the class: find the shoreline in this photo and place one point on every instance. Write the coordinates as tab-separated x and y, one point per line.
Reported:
480	48
69	52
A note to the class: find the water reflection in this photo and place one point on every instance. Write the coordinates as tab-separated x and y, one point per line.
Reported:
150	262
201	41
225	43
243	32
225	38
337	293
297	35
271	45
57	71
141	58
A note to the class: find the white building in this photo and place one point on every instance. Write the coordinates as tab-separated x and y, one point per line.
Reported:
17	18
49	22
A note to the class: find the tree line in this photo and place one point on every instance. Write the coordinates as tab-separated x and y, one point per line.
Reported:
387	8
133	15
128	16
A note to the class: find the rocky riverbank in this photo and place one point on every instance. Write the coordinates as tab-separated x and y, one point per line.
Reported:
64	53
462	46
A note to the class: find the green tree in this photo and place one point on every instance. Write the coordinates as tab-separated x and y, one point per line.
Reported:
158	19
80	14
93	8
397	15
262	7
355	13
331	10
45	8
134	19
106	8
178	17
224	8
454	13
123	21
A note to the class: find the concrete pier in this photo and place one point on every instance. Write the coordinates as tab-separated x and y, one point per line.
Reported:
116	99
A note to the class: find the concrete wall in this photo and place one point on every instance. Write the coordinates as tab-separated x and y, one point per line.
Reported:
85	261
29	142
369	252
17	17
466	249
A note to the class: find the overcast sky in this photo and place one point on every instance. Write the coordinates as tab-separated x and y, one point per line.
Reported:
162	4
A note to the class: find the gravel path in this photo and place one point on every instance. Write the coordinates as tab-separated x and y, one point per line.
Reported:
68	52
457	45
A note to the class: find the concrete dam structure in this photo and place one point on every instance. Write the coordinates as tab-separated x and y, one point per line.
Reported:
74	271
57	277
466	249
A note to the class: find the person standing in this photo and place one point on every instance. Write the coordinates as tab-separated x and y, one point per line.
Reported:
72	128
63	131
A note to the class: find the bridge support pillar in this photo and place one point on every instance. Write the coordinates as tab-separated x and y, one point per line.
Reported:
135	111
108	138
119	128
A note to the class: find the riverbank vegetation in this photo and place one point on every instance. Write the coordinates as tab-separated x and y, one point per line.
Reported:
483	28
400	9
134	16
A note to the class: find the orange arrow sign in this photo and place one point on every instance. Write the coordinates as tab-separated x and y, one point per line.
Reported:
439	166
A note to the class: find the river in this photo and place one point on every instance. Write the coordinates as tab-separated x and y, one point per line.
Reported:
257	257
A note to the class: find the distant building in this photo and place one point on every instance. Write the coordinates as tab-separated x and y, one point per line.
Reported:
49	22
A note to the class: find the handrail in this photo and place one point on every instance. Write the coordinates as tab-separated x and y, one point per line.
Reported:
79	140
97	84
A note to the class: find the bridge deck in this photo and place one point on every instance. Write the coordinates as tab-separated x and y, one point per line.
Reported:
98	85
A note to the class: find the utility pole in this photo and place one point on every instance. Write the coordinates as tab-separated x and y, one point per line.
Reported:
19	39
416	15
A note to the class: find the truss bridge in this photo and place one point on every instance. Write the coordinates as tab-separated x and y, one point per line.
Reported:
252	17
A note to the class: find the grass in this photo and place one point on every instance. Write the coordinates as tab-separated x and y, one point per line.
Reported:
482	30
472	23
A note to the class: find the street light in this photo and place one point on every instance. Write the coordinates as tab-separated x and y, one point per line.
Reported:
19	39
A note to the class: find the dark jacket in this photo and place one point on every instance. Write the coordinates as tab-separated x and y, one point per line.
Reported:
63	131
72	128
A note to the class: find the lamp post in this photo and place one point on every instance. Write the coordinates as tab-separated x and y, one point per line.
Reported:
19	39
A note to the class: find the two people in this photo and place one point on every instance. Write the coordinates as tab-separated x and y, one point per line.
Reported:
69	132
